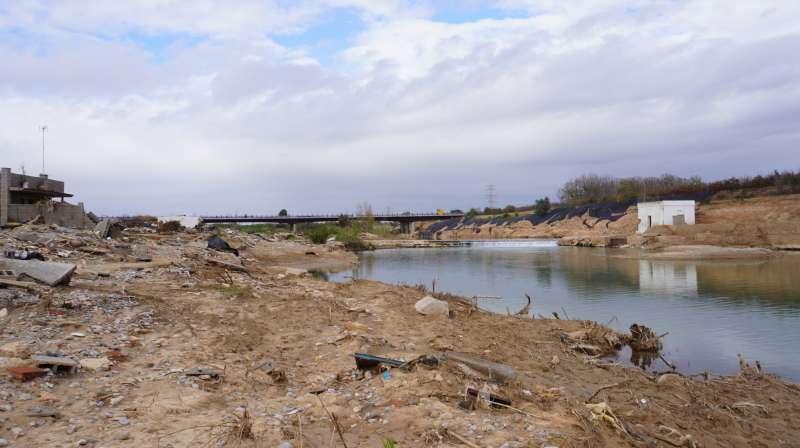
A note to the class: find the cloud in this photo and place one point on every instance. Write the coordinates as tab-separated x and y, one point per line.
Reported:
168	107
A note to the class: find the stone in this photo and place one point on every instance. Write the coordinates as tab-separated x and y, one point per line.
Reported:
124	435
431	306
16	349
3	313
285	445
95	364
3	442
18	431
48	272
124	421
103	228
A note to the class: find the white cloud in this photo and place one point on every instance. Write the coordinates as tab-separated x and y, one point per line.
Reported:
235	121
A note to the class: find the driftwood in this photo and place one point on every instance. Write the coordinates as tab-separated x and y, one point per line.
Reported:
610	386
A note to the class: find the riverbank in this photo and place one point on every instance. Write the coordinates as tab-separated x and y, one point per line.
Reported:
183	345
771	222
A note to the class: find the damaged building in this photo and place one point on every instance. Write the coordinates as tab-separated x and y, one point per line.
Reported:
25	198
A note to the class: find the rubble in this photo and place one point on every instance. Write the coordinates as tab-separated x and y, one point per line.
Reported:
198	346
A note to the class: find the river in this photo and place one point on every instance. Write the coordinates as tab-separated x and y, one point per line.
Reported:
713	310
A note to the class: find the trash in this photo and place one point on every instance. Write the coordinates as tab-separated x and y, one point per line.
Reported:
26	373
58	364
369	362
23	255
217	243
47	272
386	375
473	394
431	306
204	371
493	370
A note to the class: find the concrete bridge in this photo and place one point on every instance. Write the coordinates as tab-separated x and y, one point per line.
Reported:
406	220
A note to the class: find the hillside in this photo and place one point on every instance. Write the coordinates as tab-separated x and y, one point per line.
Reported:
768	221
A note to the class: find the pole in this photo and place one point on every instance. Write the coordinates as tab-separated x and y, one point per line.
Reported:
44	129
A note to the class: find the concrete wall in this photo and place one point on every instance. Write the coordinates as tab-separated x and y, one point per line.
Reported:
59	213
41	182
664	213
5	175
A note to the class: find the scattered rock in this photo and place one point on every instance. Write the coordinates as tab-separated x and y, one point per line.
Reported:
95	364
432	306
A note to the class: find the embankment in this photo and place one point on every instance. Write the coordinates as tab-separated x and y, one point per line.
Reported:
767	222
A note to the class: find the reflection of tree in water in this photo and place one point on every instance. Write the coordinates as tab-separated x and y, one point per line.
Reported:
642	359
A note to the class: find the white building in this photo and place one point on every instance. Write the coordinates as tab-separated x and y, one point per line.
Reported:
664	213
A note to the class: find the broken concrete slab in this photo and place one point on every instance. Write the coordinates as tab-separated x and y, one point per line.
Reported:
48	272
103	228
58	363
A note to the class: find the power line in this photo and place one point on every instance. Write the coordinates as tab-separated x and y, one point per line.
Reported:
490	196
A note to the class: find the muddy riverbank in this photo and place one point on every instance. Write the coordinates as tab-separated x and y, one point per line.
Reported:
180	345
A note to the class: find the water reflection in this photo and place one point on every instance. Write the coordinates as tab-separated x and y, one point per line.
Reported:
673	277
712	310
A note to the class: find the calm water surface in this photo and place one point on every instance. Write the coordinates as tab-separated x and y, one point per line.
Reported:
711	309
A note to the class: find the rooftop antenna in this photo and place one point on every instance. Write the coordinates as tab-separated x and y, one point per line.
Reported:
43	128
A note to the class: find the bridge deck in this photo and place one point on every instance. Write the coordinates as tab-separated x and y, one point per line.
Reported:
299	219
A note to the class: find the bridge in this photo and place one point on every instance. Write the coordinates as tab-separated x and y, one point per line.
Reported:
406	220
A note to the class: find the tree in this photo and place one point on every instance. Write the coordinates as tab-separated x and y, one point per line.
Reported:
509	209
472	212
283	212
542	206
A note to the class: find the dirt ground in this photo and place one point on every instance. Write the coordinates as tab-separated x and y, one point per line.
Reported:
274	349
771	222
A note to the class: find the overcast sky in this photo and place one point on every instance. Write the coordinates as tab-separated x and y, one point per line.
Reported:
202	106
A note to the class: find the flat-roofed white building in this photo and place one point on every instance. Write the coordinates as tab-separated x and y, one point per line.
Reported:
664	213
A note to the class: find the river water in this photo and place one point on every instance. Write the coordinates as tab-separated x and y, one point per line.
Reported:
713	310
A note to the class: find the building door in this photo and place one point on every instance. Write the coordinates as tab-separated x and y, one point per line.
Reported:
678	219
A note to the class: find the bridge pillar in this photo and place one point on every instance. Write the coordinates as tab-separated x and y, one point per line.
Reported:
407	227
293	227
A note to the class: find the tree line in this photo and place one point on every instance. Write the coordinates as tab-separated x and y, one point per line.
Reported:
593	188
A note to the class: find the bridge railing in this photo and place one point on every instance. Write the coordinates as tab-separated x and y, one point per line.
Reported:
329	216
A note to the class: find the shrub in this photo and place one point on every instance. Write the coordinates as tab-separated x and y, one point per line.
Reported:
283	212
542	206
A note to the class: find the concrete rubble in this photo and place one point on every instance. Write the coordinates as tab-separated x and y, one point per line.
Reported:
160	341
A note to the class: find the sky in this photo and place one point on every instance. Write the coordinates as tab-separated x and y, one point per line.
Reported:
250	106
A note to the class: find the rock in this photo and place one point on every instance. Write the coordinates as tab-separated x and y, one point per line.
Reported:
124	435
124	421
16	349
95	364
3	313
285	445
3	442
431	306
18	431
670	379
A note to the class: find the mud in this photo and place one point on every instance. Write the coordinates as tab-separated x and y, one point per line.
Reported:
272	352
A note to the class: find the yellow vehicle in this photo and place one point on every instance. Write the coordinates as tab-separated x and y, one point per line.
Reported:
440	212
